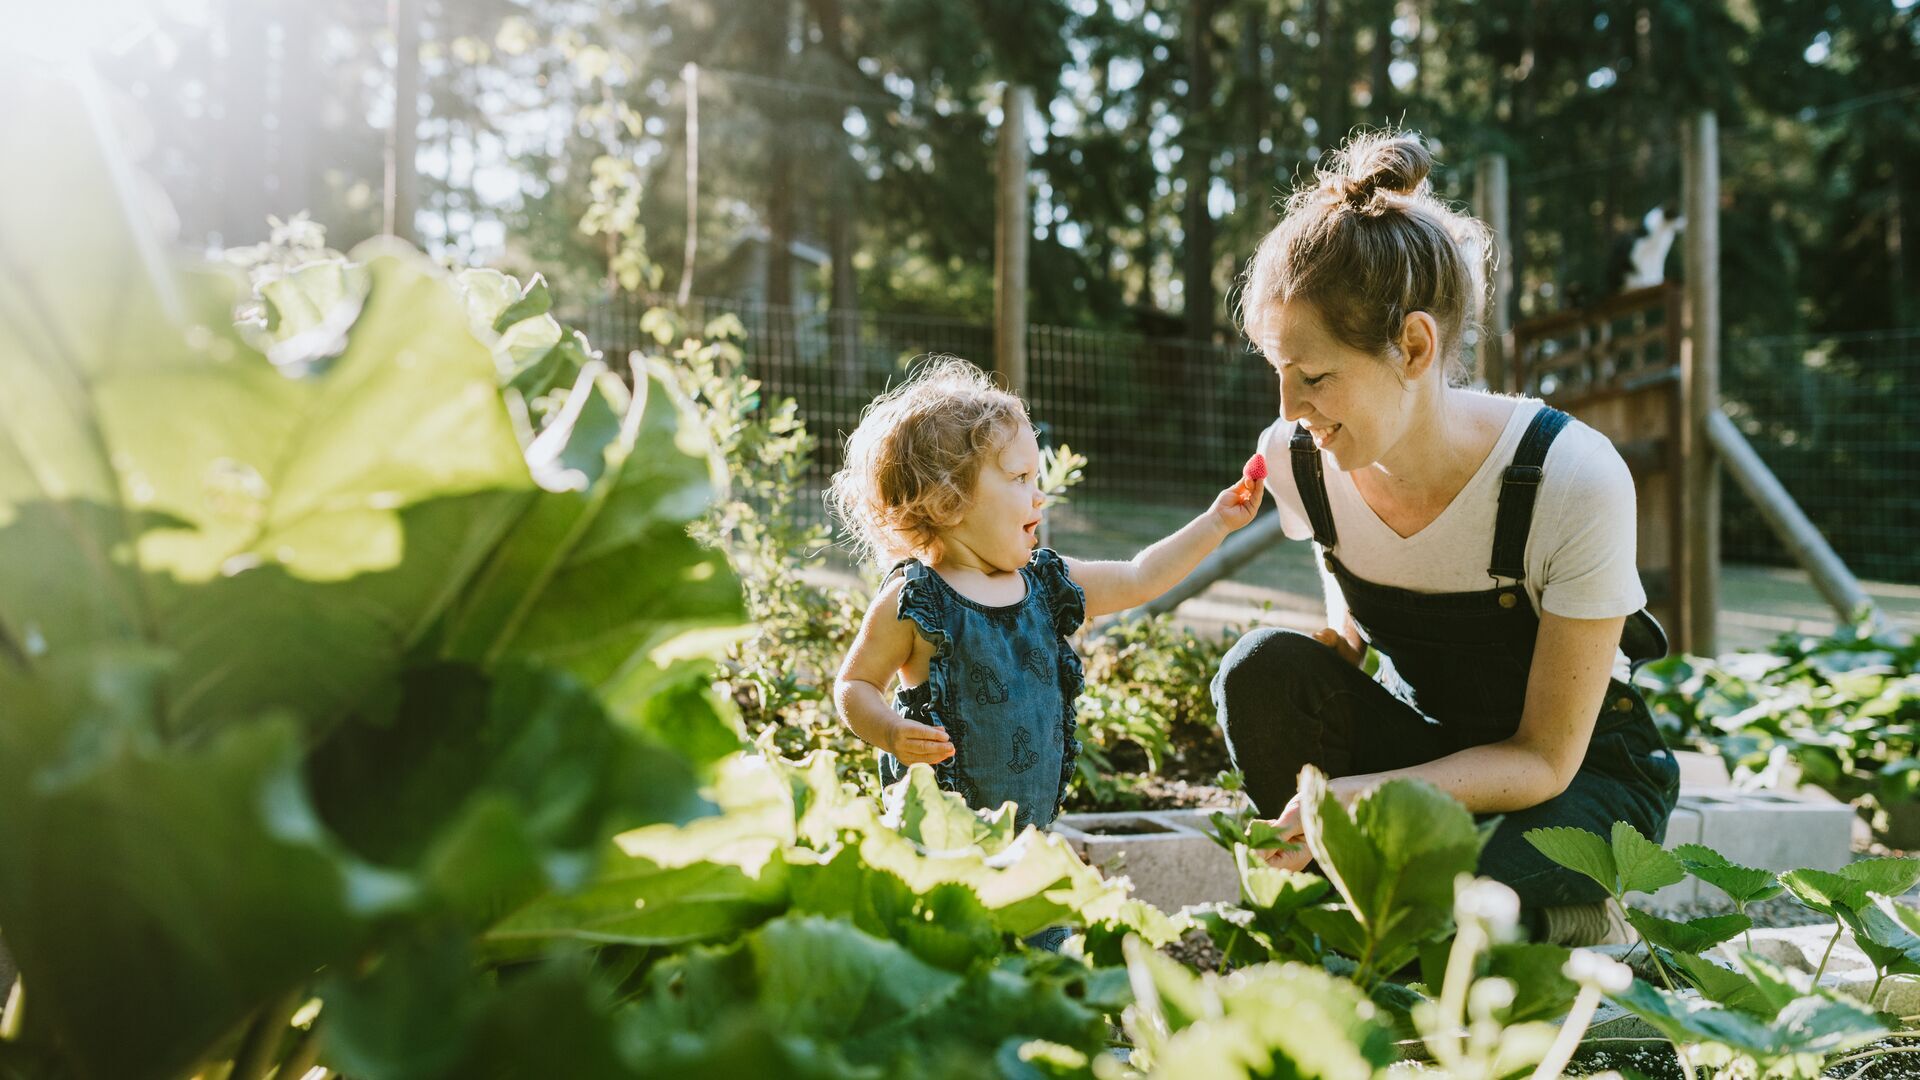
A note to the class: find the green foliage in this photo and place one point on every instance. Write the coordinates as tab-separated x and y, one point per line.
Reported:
1844	709
1147	701
311	665
1393	860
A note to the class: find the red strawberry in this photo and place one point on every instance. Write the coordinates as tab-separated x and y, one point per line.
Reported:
1255	470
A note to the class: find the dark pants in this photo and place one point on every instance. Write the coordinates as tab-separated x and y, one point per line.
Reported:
1285	701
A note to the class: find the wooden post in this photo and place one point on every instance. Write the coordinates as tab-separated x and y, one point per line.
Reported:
1700	372
403	137
690	76
1015	226
1491	206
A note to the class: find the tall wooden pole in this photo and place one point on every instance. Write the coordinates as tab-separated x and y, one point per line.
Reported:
1700	372
1015	226
1491	206
402	139
690	75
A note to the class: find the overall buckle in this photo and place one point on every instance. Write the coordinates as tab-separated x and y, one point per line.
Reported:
1524	474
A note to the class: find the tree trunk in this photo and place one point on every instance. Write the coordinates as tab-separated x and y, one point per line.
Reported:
780	194
1198	161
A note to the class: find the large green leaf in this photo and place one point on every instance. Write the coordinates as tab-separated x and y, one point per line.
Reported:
1742	884
495	787
1578	849
1828	893
640	903
216	503
1694	935
1272	1020
1394	860
1644	865
1886	876
421	1015
153	898
1728	987
600	576
824	982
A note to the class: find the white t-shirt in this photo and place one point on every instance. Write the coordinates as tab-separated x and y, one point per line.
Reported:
1580	549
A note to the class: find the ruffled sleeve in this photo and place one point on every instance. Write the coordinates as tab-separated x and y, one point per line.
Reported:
1065	600
922	602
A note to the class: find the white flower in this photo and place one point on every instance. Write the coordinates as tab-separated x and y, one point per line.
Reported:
1603	973
1485	901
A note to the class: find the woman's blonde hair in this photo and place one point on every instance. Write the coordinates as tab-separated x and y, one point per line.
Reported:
1367	244
911	464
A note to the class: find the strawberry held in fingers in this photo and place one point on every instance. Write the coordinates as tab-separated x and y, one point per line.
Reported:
1252	474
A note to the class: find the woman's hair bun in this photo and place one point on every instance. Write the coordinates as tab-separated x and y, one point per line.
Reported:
1377	162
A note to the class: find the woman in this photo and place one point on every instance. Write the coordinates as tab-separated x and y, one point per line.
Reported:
1483	545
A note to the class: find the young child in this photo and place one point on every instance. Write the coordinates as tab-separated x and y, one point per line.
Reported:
942	479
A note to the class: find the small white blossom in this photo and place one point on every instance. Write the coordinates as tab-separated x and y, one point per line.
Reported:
1486	901
1604	973
1489	996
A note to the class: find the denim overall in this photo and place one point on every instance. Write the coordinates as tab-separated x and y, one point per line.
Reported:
1453	674
1003	682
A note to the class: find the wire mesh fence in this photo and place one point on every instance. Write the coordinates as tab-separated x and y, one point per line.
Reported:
1166	422
1162	421
1837	419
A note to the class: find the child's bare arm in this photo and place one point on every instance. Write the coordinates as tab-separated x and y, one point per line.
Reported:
884	646
1117	586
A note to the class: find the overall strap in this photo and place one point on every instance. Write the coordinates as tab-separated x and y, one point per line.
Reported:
1310	478
1518	489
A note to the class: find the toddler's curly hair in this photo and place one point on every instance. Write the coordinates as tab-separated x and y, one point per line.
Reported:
912	462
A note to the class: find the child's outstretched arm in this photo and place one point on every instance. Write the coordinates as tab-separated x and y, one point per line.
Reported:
1117	586
884	646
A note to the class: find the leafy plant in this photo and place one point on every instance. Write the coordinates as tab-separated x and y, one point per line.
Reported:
1758	1017
312	664
1844	709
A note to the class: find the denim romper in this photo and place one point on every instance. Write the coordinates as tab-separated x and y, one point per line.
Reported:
1003	682
1457	663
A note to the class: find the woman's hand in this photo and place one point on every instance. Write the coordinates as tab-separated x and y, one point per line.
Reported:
913	743
1344	788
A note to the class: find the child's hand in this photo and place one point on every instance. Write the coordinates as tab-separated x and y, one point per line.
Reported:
1338	642
1237	506
913	742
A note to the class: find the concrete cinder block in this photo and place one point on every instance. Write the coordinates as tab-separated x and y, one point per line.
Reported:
1771	830
1168	854
1702	771
1775	830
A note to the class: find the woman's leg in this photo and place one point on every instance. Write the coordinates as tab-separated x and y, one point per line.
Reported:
1626	777
1285	700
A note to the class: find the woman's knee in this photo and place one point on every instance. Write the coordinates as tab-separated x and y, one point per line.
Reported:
1266	669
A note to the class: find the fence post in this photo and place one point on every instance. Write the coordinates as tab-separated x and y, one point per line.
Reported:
1490	197
1010	251
1700	370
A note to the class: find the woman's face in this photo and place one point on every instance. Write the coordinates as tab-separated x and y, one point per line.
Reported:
1355	405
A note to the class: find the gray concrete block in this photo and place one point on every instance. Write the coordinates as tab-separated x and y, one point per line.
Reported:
1701	771
1167	854
1774	830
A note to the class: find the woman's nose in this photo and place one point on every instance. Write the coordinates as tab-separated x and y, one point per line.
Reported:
1293	403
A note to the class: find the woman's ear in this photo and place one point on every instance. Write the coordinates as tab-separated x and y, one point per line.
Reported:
1419	344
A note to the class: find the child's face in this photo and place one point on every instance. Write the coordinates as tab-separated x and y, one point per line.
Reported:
1354	404
1001	526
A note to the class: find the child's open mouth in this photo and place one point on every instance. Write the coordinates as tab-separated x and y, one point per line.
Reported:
1032	529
